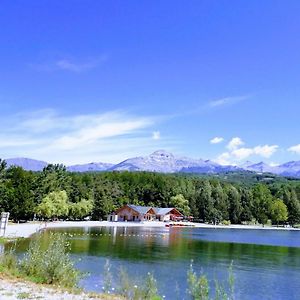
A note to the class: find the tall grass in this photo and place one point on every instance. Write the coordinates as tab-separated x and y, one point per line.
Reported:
9	261
199	288
51	265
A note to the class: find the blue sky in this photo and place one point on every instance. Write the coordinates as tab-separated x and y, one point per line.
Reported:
85	81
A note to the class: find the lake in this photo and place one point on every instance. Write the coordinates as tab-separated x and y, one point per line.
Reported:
266	263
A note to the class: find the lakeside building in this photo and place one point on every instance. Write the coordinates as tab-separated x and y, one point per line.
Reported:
135	213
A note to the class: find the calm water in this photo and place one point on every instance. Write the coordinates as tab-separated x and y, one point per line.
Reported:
266	264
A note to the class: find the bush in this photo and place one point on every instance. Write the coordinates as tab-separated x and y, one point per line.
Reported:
269	222
147	290
198	286
226	222
51	265
8	261
251	222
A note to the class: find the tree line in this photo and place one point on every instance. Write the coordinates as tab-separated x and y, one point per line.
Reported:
57	193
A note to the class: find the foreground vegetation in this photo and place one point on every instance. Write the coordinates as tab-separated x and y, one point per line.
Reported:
42	263
50	263
56	193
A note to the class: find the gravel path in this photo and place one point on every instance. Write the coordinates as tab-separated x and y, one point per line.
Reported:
11	289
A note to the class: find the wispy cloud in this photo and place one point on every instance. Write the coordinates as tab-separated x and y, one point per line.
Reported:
295	149
216	140
227	101
69	64
53	137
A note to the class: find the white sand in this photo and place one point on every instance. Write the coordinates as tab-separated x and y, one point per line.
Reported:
27	229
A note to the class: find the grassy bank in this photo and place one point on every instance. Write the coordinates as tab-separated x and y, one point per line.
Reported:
49	264
45	271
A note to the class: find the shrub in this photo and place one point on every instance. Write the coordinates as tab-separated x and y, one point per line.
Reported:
147	290
269	222
198	287
8	261
226	222
52	264
253	221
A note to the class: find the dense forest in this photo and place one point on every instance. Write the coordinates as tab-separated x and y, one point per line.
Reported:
56	193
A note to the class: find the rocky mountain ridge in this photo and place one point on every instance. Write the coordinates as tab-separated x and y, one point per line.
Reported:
165	162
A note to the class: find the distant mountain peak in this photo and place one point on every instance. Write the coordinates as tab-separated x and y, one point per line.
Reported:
28	164
162	153
162	161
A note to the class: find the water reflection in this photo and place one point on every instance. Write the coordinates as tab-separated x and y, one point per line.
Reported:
273	269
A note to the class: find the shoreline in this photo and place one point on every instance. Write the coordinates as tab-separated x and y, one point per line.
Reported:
25	230
13	287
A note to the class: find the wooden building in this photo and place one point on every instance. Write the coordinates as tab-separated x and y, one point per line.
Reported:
135	213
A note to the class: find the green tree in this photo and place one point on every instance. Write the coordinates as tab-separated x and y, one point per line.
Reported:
55	204
20	190
279	212
106	195
181	204
204	201
46	209
247	204
290	199
53	178
81	209
3	166
220	201
262	201
235	207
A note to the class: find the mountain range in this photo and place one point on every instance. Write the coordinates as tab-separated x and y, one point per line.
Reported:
165	162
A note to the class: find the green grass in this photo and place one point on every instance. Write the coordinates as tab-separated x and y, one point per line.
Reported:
23	295
4	240
50	264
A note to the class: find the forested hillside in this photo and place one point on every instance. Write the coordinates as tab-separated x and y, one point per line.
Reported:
57	193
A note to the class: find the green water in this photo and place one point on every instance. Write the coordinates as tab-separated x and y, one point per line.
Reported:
266	264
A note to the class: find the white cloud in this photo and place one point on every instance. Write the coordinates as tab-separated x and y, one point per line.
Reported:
52	137
295	149
99	127
236	153
224	159
242	153
235	143
274	164
70	65
156	135
216	140
227	101
266	150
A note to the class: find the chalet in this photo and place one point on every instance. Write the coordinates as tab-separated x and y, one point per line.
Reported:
135	213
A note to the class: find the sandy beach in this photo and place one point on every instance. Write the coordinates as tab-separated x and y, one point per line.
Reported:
27	229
